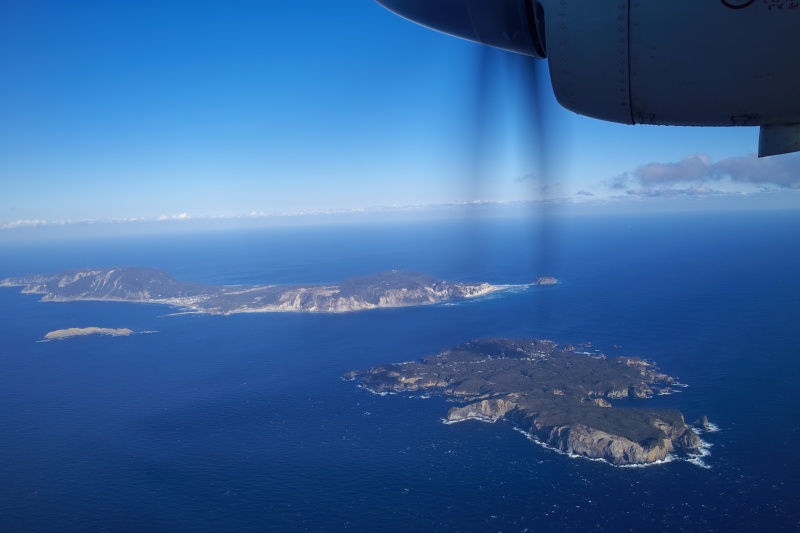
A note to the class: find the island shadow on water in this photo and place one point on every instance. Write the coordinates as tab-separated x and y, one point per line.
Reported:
554	395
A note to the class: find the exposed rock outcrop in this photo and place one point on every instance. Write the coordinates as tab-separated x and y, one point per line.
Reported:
579	439
702	423
488	410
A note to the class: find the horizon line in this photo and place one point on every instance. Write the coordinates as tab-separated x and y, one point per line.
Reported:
585	202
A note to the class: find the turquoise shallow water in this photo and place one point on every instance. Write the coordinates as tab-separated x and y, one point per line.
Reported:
242	422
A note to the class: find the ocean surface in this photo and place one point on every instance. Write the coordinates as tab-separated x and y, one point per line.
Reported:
242	423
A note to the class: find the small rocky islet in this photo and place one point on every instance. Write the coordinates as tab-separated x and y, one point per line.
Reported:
82	332
556	394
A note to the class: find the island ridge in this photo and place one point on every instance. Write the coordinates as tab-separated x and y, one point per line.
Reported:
394	288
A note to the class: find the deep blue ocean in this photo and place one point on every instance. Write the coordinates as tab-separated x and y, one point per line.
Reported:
242	423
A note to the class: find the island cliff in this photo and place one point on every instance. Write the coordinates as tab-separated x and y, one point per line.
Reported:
386	289
558	397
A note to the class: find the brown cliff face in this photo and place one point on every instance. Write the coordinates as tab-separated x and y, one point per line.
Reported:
487	410
596	444
559	397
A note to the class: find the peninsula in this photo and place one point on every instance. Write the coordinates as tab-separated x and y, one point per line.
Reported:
394	288
556	395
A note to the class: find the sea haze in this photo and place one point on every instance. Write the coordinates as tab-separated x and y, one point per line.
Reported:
243	423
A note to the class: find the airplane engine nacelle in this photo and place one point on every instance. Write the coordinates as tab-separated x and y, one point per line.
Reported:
676	62
667	62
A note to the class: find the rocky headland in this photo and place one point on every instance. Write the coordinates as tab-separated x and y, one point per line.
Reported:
386	289
557	396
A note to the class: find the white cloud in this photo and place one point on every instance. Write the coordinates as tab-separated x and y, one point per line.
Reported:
696	170
668	192
181	216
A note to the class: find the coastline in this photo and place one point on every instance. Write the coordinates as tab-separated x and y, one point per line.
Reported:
380	291
558	397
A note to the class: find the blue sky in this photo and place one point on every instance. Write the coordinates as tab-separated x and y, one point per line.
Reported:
123	110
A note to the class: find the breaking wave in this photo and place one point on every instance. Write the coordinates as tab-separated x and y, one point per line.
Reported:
499	292
383	393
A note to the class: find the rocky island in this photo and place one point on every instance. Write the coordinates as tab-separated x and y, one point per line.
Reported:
75	332
386	289
556	395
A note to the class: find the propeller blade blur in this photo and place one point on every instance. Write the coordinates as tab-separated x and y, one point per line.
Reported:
512	127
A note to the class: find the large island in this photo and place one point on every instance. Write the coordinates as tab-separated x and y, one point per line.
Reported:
394	288
558	396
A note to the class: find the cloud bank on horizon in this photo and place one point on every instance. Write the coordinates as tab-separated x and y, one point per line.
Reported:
697	174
